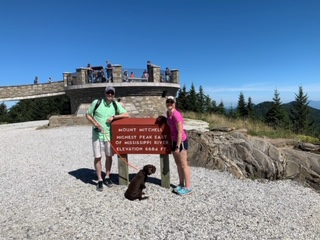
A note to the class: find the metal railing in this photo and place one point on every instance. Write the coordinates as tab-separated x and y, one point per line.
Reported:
98	76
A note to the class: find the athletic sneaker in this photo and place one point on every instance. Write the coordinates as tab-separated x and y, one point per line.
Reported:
184	191
100	186
177	188
108	182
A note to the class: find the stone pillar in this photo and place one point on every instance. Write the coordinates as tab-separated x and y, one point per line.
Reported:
175	76
150	71
117	73
81	76
155	73
67	79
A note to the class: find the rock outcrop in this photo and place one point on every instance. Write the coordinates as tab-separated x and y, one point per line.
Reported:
252	157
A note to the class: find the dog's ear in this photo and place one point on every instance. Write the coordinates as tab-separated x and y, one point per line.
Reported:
146	168
151	169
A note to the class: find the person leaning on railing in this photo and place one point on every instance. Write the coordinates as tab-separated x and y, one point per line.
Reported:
125	76
109	70
168	75
145	75
89	73
131	76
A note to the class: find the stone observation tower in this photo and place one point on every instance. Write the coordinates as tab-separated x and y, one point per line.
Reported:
141	97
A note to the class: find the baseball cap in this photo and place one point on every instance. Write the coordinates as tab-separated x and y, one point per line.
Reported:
171	98
110	88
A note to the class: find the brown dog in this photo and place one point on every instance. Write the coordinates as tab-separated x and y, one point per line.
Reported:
136	186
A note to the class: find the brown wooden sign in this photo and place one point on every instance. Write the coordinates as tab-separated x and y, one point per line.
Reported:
140	136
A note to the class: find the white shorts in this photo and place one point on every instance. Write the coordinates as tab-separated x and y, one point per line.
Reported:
102	146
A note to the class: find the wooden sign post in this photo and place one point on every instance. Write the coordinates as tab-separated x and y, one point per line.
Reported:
141	136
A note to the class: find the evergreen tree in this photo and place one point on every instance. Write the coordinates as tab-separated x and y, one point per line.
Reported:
250	109
3	112
300	112
221	108
230	112
213	106
241	107
276	115
182	99
192	98
207	105
200	101
39	109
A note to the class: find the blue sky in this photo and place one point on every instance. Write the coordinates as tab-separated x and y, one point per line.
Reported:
225	46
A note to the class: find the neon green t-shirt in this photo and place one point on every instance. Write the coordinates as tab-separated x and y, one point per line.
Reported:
102	113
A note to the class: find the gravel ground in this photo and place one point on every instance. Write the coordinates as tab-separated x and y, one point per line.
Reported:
48	191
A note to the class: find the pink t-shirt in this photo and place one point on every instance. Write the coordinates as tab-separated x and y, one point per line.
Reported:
172	121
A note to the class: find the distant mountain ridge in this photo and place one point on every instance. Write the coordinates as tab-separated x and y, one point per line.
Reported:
315	104
262	108
312	103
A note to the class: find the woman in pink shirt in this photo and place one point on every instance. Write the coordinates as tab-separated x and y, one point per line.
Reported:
179	146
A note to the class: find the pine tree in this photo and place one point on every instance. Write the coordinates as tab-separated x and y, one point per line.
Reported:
3	112
241	107
250	108
213	107
276	115
192	98
200	101
221	109
182	99
300	112
207	106
39	109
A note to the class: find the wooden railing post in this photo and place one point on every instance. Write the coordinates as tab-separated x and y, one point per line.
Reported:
165	174
123	170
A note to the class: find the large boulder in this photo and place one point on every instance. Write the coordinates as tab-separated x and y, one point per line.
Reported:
252	157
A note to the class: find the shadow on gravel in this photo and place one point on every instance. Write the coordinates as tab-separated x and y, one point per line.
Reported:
84	174
88	176
152	180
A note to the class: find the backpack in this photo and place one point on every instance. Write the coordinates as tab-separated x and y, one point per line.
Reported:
98	103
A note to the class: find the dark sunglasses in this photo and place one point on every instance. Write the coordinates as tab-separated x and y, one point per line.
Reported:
110	93
170	102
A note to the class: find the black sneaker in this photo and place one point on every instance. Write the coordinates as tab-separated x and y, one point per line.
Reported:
100	186
108	182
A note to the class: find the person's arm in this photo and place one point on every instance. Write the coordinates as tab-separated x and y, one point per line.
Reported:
122	113
179	127
120	116
93	121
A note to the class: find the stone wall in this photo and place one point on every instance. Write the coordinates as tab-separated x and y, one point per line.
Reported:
31	91
139	106
140	100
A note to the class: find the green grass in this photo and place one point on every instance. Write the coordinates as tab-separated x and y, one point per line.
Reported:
254	128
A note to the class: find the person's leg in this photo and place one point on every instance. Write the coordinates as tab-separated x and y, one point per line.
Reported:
109	154
108	76
185	168
179	169
97	164
98	168
108	166
90	77
186	174
97	158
